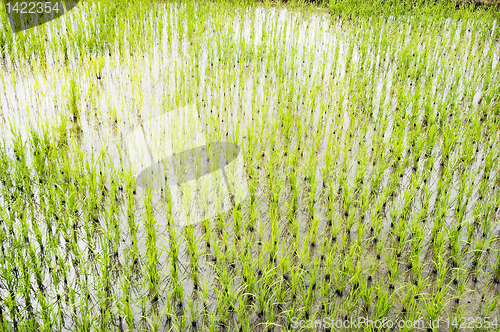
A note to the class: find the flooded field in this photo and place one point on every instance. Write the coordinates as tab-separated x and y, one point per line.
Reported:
303	167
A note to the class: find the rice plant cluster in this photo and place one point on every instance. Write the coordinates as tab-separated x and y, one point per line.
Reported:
371	151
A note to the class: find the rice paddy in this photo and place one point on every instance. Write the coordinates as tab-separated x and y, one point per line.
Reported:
355	175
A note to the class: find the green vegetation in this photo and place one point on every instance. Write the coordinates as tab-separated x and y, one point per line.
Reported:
371	147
